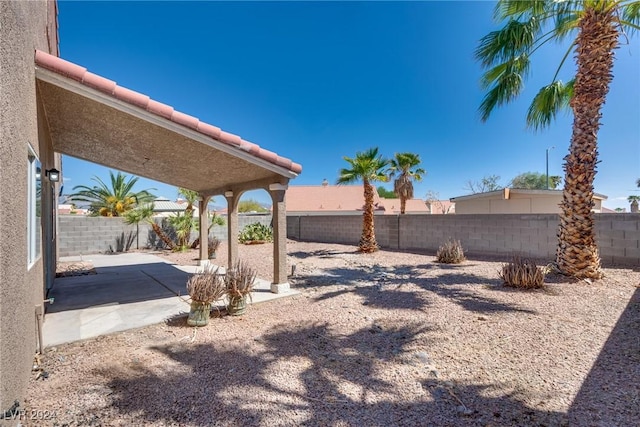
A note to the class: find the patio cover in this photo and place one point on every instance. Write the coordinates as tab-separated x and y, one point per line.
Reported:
92	118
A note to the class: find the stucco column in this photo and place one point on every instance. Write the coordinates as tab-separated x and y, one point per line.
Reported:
280	283
232	227
204	230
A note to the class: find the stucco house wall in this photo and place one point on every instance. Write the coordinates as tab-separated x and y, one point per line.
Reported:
515	202
24	27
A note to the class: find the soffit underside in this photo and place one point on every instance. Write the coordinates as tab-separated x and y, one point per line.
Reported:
91	130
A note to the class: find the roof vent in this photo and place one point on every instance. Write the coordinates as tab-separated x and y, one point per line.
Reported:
325	182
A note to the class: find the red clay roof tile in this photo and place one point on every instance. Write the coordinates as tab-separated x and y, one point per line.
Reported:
80	74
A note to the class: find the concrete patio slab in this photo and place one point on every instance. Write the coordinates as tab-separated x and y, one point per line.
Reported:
129	291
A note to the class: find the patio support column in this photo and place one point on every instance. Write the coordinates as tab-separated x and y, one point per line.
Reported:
204	229
280	283
232	227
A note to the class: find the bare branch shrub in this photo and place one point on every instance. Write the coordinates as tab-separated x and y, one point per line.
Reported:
206	286
450	252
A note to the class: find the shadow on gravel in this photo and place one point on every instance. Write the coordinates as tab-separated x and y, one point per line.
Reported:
382	287
299	379
320	253
610	395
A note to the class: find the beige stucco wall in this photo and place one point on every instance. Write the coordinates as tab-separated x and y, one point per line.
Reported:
517	203
24	26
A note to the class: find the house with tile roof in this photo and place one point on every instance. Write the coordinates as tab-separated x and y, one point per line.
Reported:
328	199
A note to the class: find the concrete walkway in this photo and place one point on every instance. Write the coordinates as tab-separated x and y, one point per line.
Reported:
129	291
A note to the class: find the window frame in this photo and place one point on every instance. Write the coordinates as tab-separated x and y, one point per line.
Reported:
34	208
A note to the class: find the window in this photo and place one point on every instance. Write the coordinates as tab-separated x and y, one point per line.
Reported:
34	209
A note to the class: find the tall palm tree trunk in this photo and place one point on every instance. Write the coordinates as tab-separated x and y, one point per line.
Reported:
162	235
403	205
368	240
577	253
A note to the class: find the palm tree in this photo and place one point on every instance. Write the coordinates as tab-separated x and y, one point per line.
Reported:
369	167
145	213
405	165
114	200
595	27
634	203
183	223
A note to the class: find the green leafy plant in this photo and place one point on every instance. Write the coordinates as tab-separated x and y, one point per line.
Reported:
183	223
256	233
251	206
522	273
450	252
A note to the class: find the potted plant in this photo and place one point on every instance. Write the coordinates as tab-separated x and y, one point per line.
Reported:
213	245
239	284
204	288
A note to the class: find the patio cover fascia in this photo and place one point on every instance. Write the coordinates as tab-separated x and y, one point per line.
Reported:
92	118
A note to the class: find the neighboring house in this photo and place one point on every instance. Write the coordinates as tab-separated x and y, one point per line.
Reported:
510	200
413	206
68	209
328	199
607	210
440	207
164	207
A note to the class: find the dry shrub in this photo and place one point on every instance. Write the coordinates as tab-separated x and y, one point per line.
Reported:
206	286
450	252
522	273
239	279
212	245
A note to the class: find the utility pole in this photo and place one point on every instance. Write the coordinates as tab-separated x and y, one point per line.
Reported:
550	148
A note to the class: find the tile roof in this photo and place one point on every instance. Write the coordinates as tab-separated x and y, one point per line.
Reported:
80	74
328	198
392	206
165	205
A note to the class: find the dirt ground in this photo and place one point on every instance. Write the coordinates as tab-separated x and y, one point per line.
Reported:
386	339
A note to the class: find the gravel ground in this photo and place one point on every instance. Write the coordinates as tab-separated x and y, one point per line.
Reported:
387	339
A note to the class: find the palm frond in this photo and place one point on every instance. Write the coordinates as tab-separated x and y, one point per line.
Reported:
507	80
548	102
513	40
515	8
367	165
631	16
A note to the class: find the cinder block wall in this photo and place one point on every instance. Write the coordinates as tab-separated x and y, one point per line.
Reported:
496	234
80	235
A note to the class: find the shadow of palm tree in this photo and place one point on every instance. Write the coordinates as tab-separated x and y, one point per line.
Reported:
320	253
383	287
610	395
230	386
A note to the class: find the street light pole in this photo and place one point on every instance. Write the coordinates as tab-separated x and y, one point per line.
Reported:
550	148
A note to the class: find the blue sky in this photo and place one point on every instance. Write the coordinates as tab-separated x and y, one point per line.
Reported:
318	81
